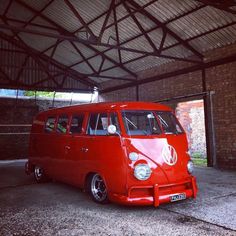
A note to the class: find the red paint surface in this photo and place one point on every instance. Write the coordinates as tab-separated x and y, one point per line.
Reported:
62	157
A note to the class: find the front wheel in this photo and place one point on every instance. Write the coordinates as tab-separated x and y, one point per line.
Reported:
97	189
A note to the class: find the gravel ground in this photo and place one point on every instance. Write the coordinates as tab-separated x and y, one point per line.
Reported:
27	208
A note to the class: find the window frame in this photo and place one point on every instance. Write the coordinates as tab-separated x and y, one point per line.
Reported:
45	124
82	125
67	124
108	113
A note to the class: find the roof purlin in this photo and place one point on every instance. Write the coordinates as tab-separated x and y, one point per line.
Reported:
65	32
80	77
163	26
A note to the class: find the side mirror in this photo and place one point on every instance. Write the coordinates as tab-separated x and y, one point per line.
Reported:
111	129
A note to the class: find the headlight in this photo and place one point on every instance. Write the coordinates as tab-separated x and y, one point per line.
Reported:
133	156
190	167
142	171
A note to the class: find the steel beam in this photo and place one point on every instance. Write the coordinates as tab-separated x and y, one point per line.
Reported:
176	44
83	78
79	17
139	35
65	32
163	26
221	5
88	43
173	74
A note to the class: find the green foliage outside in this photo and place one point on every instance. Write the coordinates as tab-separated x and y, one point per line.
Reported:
41	94
198	159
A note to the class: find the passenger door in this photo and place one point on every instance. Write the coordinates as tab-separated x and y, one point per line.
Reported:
60	171
103	152
74	153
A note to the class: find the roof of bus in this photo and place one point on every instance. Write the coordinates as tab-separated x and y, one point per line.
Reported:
111	106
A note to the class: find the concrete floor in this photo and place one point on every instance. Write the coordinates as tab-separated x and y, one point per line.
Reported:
27	208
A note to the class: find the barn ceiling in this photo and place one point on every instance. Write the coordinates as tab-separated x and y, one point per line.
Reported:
80	44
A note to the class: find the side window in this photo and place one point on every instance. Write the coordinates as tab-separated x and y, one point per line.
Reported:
98	124
50	124
114	121
76	124
62	124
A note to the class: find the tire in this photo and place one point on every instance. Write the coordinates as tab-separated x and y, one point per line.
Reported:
28	169
39	175
98	189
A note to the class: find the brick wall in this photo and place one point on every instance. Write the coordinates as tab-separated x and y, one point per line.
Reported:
15	123
221	79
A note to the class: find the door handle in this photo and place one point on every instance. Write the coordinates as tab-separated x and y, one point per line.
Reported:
84	149
67	147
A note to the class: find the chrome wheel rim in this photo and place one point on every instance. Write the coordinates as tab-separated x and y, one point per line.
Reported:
98	188
38	172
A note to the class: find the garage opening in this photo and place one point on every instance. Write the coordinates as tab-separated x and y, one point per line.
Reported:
191	116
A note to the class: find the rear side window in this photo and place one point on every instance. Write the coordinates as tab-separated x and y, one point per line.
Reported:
50	124
98	124
62	124
76	124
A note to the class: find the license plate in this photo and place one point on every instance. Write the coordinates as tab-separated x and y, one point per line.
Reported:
177	197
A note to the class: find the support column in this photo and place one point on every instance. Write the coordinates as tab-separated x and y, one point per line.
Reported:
137	93
209	124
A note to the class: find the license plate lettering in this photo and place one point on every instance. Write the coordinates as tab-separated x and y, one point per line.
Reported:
178	197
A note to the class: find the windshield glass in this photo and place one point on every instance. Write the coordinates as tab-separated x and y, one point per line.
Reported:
145	123
140	123
169	123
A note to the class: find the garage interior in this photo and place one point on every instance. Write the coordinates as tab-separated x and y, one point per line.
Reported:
167	51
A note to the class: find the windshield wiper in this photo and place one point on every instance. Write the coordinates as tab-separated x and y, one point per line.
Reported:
129	121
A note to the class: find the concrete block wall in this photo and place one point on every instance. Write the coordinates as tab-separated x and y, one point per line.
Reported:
221	79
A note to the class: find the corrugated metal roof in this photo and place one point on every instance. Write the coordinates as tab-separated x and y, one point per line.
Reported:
18	12
83	68
146	63
36	41
36	4
186	27
4	5
216	39
60	13
90	9
127	29
116	72
140	43
107	64
66	54
177	51
99	79
200	21
166	10
127	56
96	62
87	52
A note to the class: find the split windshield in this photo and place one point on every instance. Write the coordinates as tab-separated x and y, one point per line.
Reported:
150	123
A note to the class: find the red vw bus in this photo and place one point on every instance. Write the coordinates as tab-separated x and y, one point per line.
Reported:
132	153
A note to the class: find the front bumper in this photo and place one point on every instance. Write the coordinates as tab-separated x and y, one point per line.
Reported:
156	194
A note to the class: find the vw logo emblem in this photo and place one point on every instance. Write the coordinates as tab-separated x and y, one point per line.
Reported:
169	155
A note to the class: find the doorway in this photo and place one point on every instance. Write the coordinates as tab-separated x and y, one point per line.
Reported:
192	118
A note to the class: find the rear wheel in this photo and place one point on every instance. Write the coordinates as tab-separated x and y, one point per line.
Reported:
97	189
39	174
